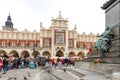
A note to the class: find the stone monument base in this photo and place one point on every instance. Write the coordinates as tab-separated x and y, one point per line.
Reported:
107	69
112	57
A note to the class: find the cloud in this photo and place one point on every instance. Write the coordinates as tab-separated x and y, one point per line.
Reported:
86	14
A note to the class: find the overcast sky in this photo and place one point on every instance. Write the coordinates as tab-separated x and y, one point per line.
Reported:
27	14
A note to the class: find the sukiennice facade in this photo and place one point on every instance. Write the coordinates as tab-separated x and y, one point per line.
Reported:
57	40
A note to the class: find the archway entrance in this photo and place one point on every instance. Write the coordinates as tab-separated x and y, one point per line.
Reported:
71	54
47	54
2	53
14	53
35	53
81	54
25	54
59	54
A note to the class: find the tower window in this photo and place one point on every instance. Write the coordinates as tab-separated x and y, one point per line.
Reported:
3	43
13	43
31	44
70	43
81	45
22	44
46	42
59	38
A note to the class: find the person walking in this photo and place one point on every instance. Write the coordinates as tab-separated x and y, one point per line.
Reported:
5	64
1	64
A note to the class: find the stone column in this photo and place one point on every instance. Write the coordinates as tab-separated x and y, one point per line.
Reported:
41	40
66	47
52	52
75	40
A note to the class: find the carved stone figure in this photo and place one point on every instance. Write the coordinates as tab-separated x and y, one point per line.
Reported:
103	43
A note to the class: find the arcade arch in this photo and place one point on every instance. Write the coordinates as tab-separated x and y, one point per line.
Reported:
71	54
59	54
35	53
25	54
46	53
14	53
2	52
81	54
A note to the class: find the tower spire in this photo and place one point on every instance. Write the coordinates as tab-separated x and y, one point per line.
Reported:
75	27
9	17
40	24
60	14
8	23
9	13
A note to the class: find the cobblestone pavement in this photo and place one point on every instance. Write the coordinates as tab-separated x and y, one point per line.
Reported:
65	75
44	75
89	75
19	74
34	74
55	72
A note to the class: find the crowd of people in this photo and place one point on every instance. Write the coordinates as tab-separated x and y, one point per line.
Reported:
12	62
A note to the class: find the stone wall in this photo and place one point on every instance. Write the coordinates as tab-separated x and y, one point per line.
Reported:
114	52
112	14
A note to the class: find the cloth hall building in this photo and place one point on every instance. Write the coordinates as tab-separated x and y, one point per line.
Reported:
57	40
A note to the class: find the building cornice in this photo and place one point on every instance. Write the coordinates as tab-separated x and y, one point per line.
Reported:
107	4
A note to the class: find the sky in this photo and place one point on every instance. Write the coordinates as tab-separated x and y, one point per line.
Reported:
87	15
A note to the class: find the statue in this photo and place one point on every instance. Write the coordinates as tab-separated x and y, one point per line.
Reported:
103	44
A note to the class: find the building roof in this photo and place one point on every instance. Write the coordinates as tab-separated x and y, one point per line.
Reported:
107	4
